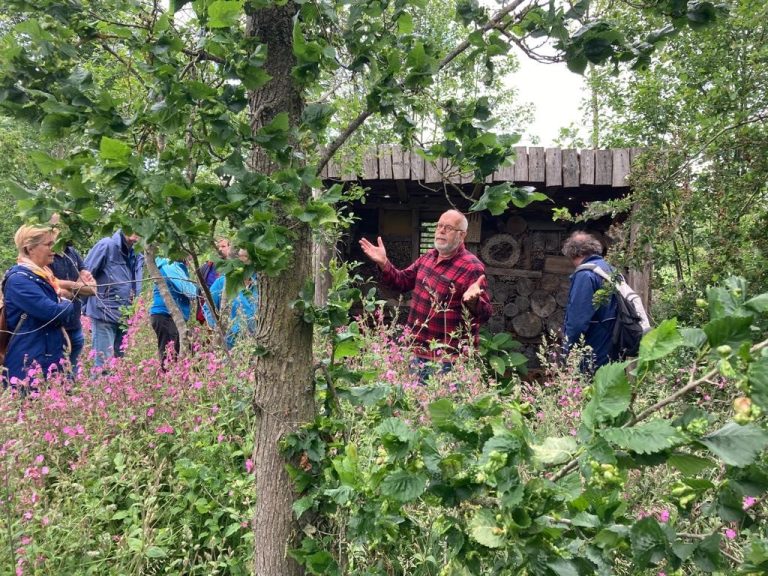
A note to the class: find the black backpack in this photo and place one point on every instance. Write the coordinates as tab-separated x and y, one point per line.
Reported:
631	319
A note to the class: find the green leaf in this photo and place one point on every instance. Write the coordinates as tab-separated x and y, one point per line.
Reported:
90	214
405	23
730	330
404	486
611	394
555	450
660	342
736	445
224	13
758	303
45	163
177	5
688	464
649	543
111	149
346	349
757	374
18	191
368	395
498	364
484	529
647	438
693	337
155	552
172	190
302	505
442	411
563	567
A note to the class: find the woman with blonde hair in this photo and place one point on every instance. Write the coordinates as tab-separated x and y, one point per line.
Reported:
35	311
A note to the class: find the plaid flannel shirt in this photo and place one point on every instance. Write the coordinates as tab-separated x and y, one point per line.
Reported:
437	310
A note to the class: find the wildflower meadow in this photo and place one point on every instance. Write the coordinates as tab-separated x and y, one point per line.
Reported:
654	466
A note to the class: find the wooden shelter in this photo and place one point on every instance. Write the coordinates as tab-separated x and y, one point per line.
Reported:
527	275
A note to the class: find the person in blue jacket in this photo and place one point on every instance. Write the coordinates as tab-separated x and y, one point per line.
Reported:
183	292
34	310
582	317
242	309
76	283
117	269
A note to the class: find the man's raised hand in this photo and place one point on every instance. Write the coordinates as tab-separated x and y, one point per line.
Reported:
473	292
376	252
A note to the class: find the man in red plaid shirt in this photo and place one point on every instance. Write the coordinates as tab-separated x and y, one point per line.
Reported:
449	290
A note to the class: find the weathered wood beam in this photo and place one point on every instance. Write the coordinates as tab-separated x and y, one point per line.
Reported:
554	167
570	169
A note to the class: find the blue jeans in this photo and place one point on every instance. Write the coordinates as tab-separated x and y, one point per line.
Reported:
77	341
424	368
107	338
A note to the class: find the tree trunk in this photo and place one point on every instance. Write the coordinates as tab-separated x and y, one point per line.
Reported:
283	399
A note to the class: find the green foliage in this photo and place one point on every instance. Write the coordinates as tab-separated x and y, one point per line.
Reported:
699	191
477	482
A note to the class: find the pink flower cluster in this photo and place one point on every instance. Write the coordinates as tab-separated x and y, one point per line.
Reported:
55	428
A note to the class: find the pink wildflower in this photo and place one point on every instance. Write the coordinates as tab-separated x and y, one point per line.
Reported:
164	429
748	502
730	533
248	465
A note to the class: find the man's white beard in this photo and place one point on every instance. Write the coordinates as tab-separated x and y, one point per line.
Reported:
447	248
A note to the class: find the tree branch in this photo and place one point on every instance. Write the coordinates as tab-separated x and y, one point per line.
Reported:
363	116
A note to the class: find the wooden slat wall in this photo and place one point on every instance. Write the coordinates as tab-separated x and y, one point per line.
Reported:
550	167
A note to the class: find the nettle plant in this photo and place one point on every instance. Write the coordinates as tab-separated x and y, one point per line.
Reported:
666	472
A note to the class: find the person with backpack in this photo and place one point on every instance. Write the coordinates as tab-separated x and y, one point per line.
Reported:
582	318
34	312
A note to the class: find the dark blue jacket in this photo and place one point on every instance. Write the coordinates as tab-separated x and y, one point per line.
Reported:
117	270
41	337
581	317
67	266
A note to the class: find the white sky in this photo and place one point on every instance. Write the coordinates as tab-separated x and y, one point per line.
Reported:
556	94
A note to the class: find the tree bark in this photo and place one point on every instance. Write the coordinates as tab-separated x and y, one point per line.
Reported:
284	398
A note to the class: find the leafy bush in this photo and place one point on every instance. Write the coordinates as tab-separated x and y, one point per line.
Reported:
651	467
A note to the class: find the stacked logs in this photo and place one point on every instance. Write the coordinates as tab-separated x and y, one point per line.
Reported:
528	281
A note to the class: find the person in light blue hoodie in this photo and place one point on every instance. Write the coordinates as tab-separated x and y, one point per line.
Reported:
183	291
242	309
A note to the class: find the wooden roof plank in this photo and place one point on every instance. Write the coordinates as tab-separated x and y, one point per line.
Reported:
554	167
401	169
603	168
385	162
587	167
620	168
570	168
536	165
431	173
521	164
417	166
371	165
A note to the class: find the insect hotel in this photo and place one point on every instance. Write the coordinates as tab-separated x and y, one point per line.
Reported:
527	275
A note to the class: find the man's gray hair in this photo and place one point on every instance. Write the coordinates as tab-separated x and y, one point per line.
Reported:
582	244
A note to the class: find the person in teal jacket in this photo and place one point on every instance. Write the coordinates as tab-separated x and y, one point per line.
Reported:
242	309
183	292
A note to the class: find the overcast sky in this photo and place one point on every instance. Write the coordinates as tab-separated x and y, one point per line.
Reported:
556	94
